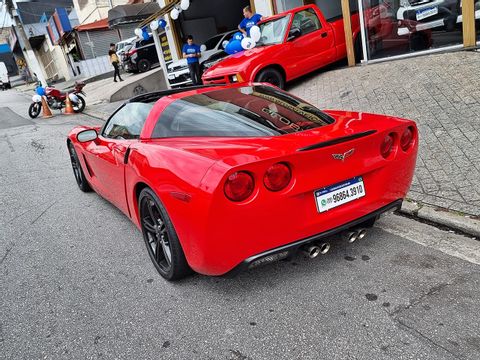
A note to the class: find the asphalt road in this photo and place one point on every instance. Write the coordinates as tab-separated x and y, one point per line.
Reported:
76	281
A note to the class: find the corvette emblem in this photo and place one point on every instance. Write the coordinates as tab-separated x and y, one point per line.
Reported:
344	155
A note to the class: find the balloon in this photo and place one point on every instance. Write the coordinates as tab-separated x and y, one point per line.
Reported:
138	32
233	47
184	4
145	34
248	43
238	36
255	33
203	48
154	25
162	23
224	43
36	98
174	13
41	91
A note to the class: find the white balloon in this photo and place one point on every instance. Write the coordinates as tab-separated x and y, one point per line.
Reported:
225	43
203	48
184	4
138	32
154	25
248	43
174	13
255	33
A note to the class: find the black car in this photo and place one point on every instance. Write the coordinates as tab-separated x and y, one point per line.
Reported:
141	56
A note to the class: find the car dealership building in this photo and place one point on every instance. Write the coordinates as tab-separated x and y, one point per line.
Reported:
390	29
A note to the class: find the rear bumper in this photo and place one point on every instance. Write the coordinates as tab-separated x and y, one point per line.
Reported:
285	251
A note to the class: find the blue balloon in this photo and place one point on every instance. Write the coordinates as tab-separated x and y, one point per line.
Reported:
40	91
237	36
145	34
234	47
162	23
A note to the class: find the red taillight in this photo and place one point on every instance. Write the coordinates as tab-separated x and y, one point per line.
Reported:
407	139
239	186
387	146
277	177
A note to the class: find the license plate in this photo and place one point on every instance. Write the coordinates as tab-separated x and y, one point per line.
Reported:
422	14
339	194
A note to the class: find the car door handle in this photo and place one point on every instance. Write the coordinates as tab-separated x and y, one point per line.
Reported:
324	35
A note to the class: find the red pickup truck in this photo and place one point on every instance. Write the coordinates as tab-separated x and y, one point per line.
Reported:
292	44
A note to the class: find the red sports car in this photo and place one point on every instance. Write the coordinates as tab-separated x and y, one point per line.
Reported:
221	179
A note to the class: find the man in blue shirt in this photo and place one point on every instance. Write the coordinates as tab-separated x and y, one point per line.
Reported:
250	20
192	52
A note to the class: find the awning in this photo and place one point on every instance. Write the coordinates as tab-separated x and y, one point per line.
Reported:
36	41
165	10
128	14
97	25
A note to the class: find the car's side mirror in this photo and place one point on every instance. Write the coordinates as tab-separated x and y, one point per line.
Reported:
87	135
294	33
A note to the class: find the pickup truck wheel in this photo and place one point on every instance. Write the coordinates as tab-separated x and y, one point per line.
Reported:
272	76
144	65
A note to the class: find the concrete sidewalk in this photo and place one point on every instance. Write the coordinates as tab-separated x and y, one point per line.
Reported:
442	94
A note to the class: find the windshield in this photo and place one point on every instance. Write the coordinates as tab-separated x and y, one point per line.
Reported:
252	111
212	42
273	31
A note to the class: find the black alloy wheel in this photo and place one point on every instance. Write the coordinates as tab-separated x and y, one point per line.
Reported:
160	237
77	170
79	106
34	109
144	65
271	76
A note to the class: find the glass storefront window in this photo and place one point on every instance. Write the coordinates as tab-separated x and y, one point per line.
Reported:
396	27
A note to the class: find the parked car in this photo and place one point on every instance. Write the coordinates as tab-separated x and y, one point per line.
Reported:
4	78
178	73
221	179
430	14
122	45
292	44
141	56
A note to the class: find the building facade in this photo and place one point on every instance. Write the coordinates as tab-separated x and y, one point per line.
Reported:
388	29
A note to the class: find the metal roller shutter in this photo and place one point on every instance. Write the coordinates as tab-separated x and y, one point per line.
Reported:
99	39
128	31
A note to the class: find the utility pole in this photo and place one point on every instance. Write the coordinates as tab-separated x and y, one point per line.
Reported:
28	53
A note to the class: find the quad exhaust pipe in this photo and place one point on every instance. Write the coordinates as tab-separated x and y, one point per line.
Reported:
350	236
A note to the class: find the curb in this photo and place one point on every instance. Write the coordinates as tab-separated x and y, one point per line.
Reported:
443	217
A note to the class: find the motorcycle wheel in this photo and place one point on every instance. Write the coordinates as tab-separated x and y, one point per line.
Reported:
34	110
80	106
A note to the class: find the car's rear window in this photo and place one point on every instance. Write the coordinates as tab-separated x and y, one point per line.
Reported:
251	111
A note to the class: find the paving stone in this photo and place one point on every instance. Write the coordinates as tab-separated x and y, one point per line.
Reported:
442	95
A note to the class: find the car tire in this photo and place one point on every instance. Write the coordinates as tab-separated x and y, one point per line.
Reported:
144	65
34	109
160	237
82	181
80	106
272	76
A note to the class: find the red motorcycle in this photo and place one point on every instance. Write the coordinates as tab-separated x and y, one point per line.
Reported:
56	99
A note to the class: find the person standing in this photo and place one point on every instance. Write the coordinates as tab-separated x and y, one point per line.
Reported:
250	20
192	52
115	62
